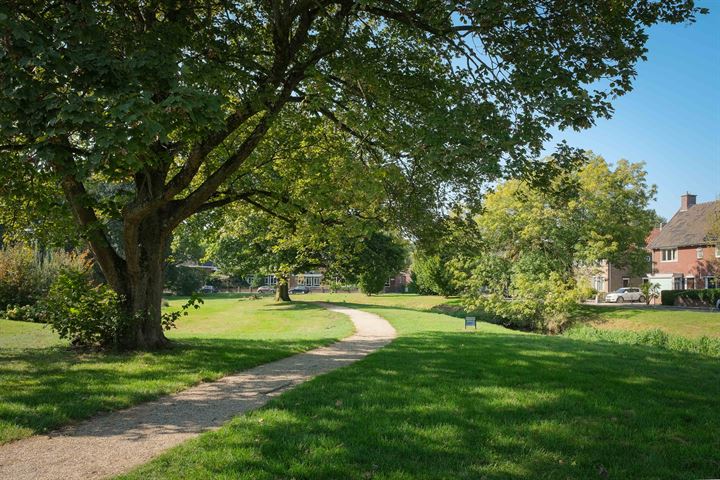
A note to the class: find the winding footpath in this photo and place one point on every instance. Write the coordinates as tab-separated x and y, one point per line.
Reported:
114	443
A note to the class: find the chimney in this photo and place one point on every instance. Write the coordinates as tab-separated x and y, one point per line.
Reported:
687	201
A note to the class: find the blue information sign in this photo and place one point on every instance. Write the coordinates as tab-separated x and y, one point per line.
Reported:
470	322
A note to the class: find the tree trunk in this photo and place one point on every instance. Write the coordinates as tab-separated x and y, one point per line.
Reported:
145	257
282	293
143	302
140	280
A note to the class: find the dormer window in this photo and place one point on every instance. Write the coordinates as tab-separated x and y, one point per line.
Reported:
669	255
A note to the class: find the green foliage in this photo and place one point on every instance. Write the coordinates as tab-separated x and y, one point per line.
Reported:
708	297
535	243
136	118
378	257
184	280
432	275
650	291
88	315
26	313
652	338
26	275
257	281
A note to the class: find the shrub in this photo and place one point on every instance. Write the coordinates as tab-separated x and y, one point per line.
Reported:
432	275
650	291
184	280
88	315
708	297
26	274
25	313
541	302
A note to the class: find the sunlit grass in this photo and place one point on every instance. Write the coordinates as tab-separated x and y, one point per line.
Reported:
686	323
44	385
442	402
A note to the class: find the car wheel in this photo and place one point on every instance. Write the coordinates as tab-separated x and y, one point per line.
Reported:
620	300
641	299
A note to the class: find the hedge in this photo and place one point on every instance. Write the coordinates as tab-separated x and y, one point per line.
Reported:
707	297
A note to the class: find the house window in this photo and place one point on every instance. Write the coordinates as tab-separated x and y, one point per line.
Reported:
678	283
689	284
626	281
669	255
717	251
710	282
699	253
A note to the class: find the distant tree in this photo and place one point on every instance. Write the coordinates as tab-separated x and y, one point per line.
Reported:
533	241
172	107
379	257
433	274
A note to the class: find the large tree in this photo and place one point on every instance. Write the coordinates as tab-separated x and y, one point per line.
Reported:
147	112
535	243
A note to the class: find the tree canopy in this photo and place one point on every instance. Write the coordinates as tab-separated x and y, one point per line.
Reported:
535	243
146	113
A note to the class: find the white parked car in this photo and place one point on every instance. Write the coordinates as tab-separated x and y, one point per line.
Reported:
625	294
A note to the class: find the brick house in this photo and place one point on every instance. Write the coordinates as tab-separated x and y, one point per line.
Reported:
607	277
684	256
398	283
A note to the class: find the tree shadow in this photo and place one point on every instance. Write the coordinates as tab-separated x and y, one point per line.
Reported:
42	389
451	405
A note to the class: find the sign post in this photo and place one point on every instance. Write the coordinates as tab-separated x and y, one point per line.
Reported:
470	322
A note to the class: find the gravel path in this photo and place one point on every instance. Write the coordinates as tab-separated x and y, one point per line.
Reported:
114	443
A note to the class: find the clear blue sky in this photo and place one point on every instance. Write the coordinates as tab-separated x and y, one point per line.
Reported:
671	119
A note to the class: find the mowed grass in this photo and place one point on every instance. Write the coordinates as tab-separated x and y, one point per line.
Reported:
441	402
44	385
685	323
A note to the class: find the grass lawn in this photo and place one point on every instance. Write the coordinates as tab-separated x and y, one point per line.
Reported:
686	323
440	402
44	385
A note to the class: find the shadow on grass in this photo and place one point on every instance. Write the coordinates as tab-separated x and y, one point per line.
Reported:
41	389
455	405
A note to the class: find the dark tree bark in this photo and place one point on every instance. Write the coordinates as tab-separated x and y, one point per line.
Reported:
282	293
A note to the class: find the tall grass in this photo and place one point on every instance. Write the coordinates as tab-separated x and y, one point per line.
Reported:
653	338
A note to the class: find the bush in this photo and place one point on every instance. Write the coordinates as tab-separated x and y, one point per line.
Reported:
26	274
431	275
25	313
88	315
184	280
708	297
651	338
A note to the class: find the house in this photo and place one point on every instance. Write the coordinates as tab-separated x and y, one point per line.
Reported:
685	255
607	277
398	283
312	280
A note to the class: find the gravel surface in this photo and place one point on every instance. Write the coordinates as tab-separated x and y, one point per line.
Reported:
114	443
